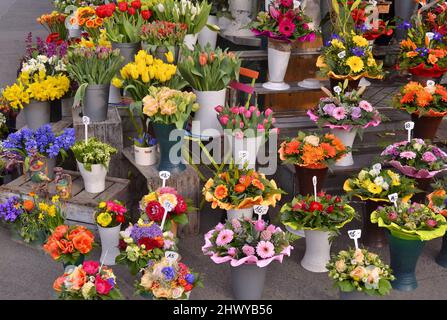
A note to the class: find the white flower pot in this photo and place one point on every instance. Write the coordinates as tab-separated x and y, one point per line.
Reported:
74	32
251	145
94	180
145	156
240	213
318	251
109	244
206	117
208	36
347	137
278	61
191	40
114	95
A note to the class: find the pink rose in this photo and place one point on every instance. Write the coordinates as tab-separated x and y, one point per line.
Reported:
271	228
103	287
260	225
91	267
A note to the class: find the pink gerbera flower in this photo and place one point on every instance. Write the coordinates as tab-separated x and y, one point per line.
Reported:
408	155
339	113
365	105
265	249
286	27
248	250
224	237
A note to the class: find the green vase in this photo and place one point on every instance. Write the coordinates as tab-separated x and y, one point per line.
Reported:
441	259
404	255
169	162
78	262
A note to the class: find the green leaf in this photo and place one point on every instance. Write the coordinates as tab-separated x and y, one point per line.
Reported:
346	286
181	219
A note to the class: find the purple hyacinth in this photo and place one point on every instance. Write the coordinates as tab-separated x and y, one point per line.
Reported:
437	36
9	210
145	232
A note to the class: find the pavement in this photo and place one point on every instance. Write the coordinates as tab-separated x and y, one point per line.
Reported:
28	273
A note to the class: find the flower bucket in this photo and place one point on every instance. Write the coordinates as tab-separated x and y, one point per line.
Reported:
109	244
95	180
404	255
347	137
50	164
372	235
305	175
190	41
37	114
96	102
318	250
162	132
74	32
441	259
78	262
67	106
206	117
356	295
56	110
278	60
248	281
425	127
240	213
145	156
207	36
250	144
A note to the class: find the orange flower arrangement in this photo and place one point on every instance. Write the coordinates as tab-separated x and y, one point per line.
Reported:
438	201
312	151
87	18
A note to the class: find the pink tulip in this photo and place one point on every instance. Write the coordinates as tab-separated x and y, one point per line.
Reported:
224	120
265	121
241	110
218	109
252	109
261	127
235	110
274	13
268	112
273	120
247	114
258	113
241	124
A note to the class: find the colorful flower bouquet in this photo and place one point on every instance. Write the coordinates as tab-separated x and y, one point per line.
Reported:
69	244
166	280
416	159
54	22
110	214
88	281
325	213
362	20
434	17
93	152
358	270
438	201
86	18
141	243
61	5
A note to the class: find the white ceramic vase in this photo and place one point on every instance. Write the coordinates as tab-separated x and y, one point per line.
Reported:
207	35
205	118
278	61
318	250
145	156
347	138
94	180
191	40
251	145
240	213
109	244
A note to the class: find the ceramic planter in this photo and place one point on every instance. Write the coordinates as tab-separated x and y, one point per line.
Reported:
372	235
347	138
248	281
96	102
205	122
441	259
404	255
94	180
169	162
425	127
109	244
251	144
78	262
37	114
305	175
145	156
207	36
240	213
190	41
278	61
318	250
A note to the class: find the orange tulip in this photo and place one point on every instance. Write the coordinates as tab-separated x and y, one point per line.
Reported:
57	285
52	248
239	188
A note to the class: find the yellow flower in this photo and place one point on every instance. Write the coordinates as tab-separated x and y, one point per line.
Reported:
104	219
347	186
52	211
55	199
321	62
102	205
117	82
43	207
355	63
169	57
337	43
374	189
171	198
41	216
360	41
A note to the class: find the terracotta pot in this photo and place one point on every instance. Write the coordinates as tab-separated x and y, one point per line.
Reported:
305	175
372	235
352	84
425	127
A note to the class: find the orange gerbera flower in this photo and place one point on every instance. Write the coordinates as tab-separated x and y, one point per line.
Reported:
258	184
330	150
413	86
28	205
412	54
239	188
292	147
245	181
432	59
424	98
408	97
408	44
312	155
221	192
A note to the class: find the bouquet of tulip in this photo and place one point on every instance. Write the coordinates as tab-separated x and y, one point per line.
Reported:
206	69
416	159
312	151
110	214
345	110
415	98
54	22
93	152
371	27
143	242
323	213
167	280
358	270
377	185
410	221
243	241
61	5
284	21
163	34
88	281
69	244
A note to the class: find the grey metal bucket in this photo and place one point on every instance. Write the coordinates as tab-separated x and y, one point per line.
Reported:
160	52
403	9
127	50
37	114
96	102
248	281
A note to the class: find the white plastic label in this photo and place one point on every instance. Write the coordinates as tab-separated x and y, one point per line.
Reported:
86	122
164	175
337	90
430	35
409	126
168	206
260	211
393	198
243	156
314	182
430	83
171	256
355	235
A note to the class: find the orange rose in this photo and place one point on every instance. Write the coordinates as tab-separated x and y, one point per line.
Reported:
78	230
83	243
52	248
77	278
57	285
258	184
432	59
221	192
60	231
28	205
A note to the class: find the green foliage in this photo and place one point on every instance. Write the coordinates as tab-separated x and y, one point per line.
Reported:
93	152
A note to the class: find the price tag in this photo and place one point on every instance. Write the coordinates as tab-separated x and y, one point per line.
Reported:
260	211
355	235
314	182
243	156
409	126
393	198
164	175
337	90
430	83
86	122
373	2
168	206
171	256
377	167
430	35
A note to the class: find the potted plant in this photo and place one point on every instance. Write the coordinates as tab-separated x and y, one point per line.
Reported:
437	201
409	226
360	274
284	23
152	206
209	72
142	242
168	110
426	104
167	280
93	158
311	154
416	159
246	129
346	114
87	281
249	246
145	150
321	217
69	245
373	186
238	190
109	215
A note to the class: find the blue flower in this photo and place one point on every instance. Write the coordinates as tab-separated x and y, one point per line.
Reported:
9	211
422	51
405	25
359	52
111	281
190	278
437	36
169	273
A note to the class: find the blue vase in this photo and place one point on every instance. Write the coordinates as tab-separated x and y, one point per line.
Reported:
169	162
441	259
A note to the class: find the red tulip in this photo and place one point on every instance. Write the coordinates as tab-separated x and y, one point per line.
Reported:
131	11
146	14
315	206
122	6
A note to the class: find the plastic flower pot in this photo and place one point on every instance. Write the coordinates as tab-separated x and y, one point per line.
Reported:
250	144
56	110
318	249
207	36
404	255
78	262
96	102
94	180
37	114
278	61
441	259
425	127
248	281
191	40
240	213
347	137
205	122
109	244
170	150
305	175
372	235
145	156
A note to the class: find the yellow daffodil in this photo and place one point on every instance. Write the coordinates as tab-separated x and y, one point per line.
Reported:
355	63
52	211
102	205
55	199
41	216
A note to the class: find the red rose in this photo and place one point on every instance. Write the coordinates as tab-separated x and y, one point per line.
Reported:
120	218
131	11
103	287
136	4
181	205
146	14
54	38
122	245
150	243
122	6
330	209
155	211
314	206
